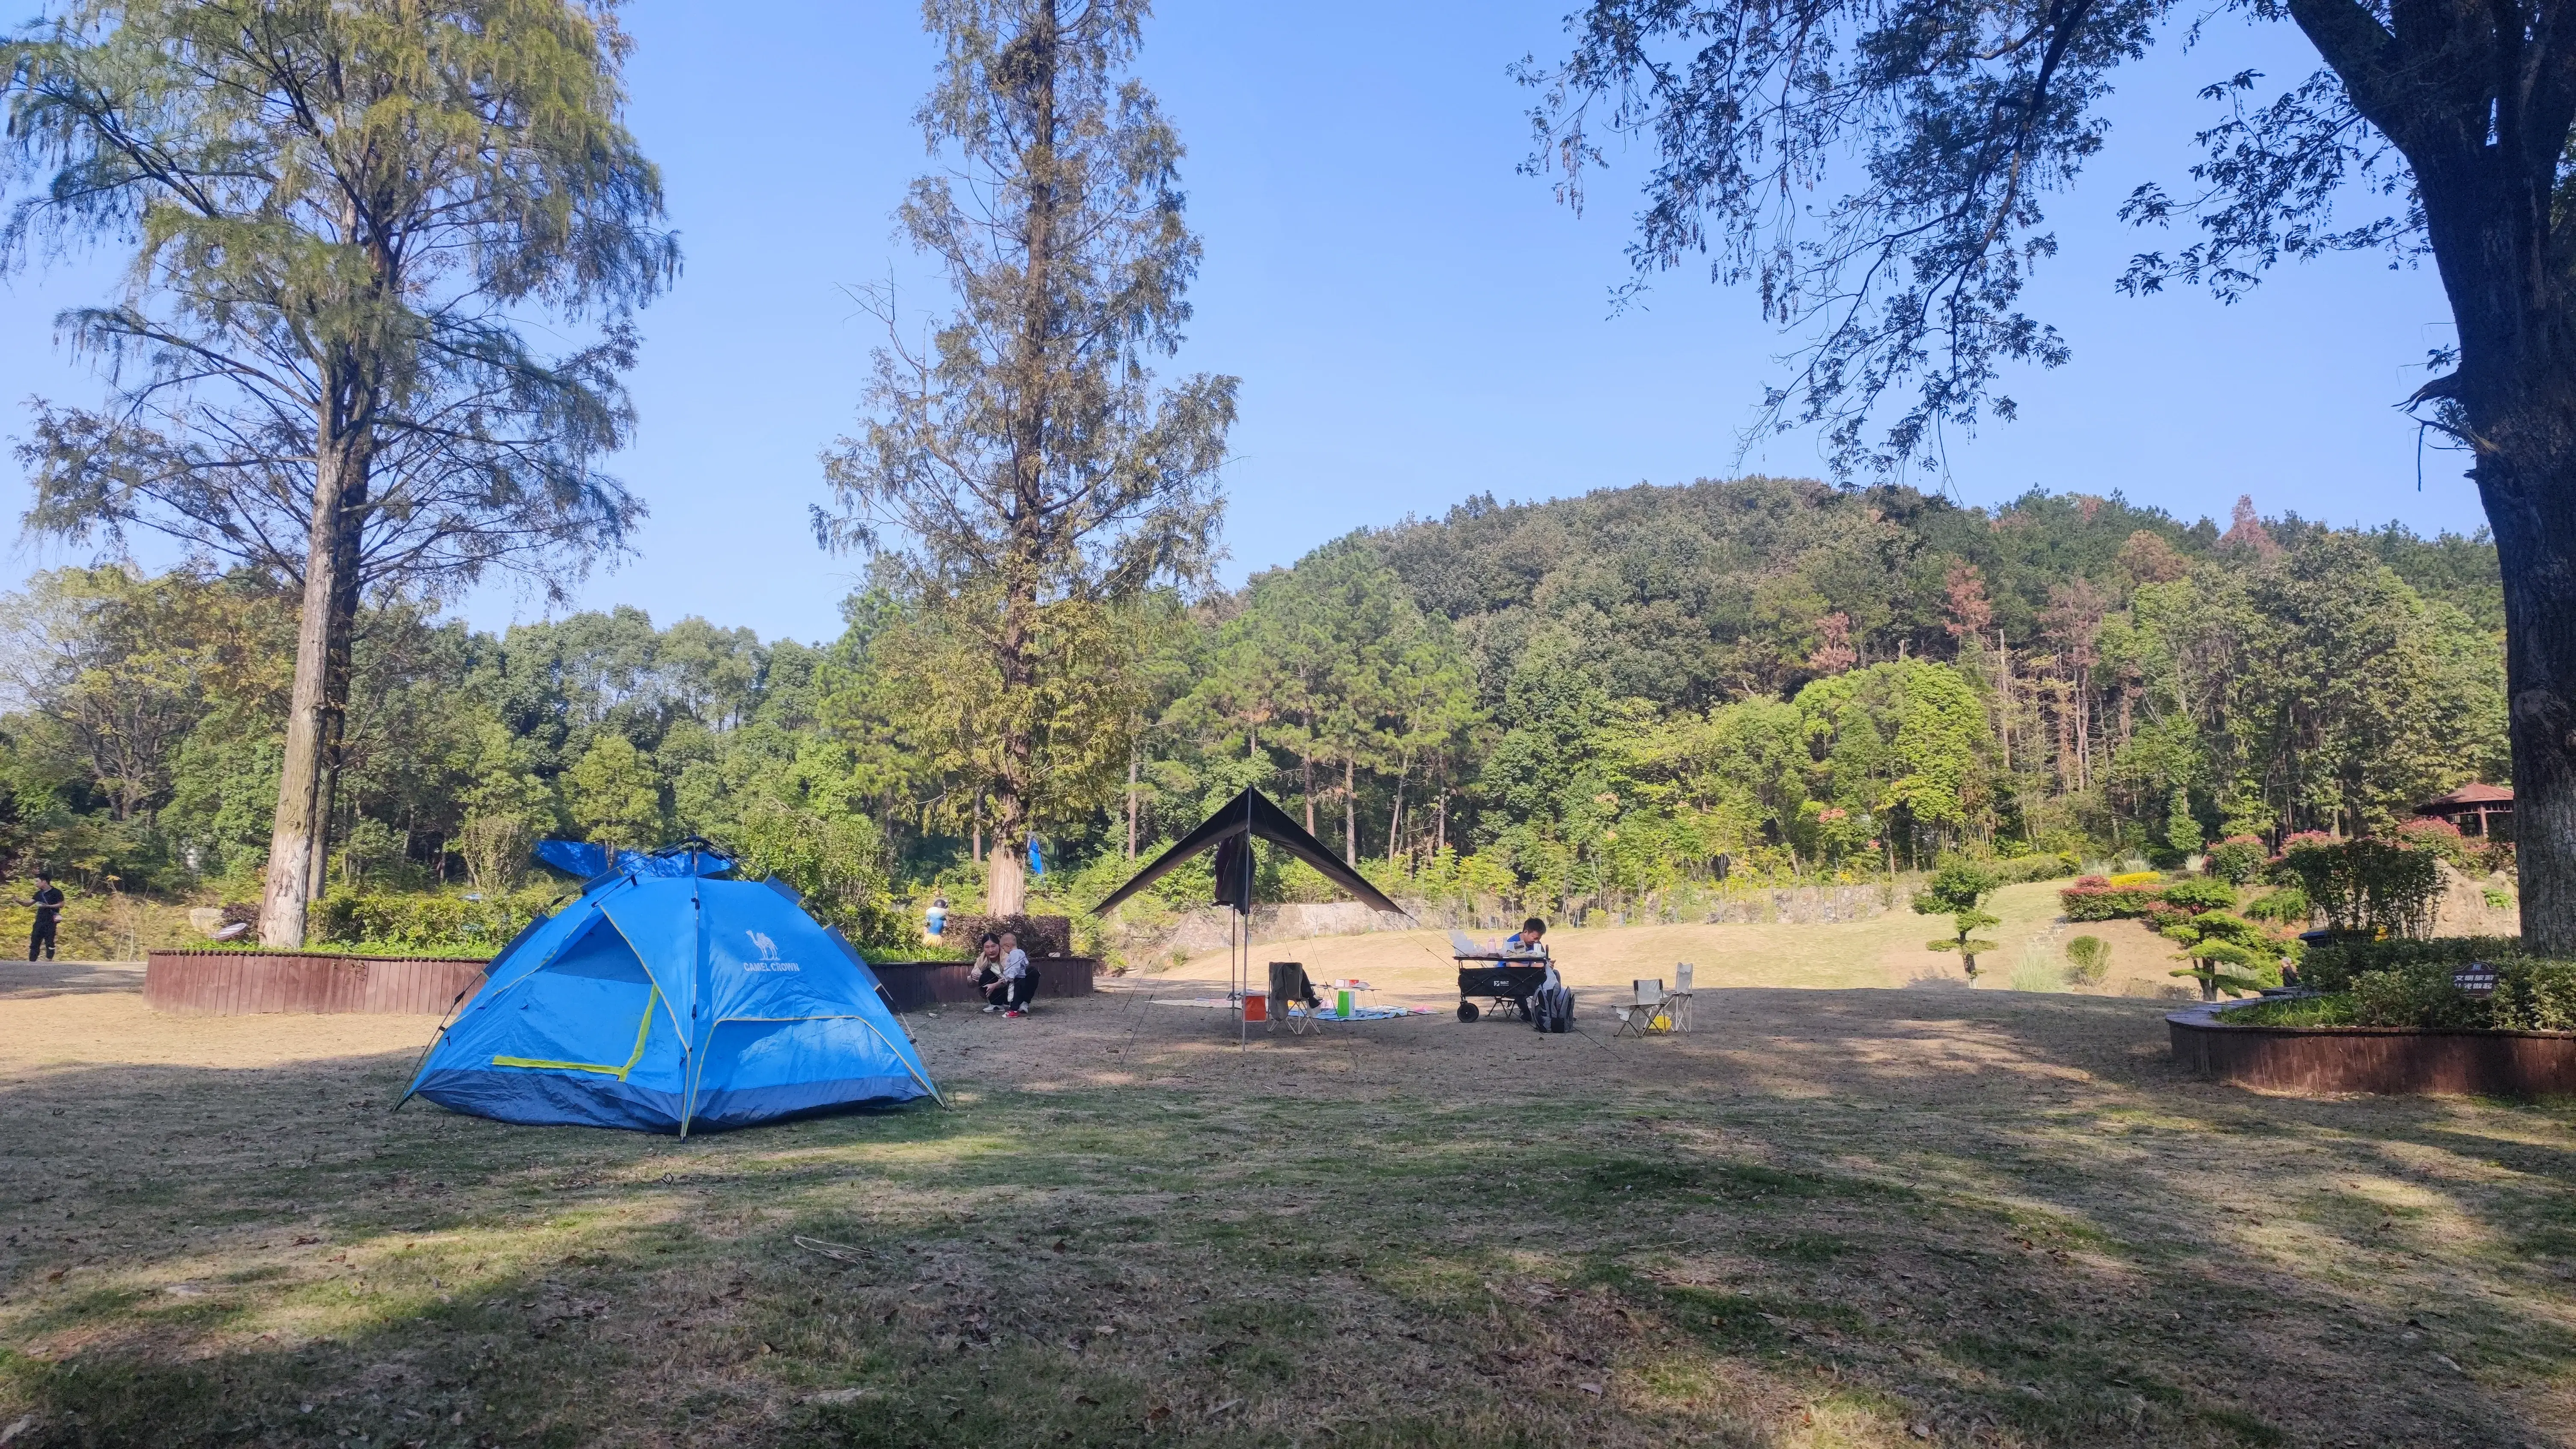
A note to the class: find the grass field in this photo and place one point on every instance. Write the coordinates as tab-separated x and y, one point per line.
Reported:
1860	1217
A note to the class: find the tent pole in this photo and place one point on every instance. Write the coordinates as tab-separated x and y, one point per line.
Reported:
1243	914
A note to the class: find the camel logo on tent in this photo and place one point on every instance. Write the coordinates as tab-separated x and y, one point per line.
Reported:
768	950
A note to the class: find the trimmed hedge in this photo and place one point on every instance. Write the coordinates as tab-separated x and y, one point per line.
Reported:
2333	966
2530	995
2093	898
438	923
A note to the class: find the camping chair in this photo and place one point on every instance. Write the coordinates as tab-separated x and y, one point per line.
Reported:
1677	1002
1639	1017
1289	987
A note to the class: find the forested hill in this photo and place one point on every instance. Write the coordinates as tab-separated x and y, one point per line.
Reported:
1713	591
1584	700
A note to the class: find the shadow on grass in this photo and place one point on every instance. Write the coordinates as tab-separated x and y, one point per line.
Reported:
1080	1266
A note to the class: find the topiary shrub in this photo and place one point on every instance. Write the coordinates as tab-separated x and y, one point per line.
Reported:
2200	893
2226	953
1956	889
2238	859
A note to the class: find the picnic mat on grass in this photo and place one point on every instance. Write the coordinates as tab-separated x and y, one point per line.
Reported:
1358	1013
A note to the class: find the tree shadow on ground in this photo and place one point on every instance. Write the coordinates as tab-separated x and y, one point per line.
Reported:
1826	1214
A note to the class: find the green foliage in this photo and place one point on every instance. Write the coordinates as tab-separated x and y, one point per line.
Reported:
444	923
2226	953
1959	885
2088	960
2287	906
2415	990
2055	865
2182	830
2238	859
2417	998
2297	1011
2372	884
613	795
2094	898
2332	966
2200	893
1021	477
834	862
1479	726
1966	924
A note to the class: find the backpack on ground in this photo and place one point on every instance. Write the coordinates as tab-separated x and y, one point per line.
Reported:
1552	1009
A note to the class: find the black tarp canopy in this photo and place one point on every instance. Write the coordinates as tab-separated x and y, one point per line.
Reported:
1247	817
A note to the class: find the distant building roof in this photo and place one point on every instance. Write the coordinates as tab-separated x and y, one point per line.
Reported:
2467	796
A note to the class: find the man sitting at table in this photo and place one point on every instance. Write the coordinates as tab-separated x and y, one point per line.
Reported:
1530	940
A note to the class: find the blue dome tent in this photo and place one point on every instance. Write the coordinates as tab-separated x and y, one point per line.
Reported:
663	1000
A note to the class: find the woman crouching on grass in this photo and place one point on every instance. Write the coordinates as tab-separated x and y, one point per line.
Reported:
988	970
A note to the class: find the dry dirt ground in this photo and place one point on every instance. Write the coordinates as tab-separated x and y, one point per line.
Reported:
1855	1217
1885	950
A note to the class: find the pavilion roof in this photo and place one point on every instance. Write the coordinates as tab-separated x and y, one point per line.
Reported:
2468	795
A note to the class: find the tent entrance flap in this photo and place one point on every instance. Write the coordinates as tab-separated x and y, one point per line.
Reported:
643	1033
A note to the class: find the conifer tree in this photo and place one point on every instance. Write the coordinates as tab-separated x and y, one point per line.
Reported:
1023	460
341	211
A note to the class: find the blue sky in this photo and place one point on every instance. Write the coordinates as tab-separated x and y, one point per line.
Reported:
1413	322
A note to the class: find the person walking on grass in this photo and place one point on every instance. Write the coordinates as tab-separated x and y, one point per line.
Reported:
48	902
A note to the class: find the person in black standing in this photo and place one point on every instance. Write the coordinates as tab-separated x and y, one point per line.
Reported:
48	902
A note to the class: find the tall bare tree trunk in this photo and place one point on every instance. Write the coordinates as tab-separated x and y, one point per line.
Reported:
1350	817
335	694
2003	687
1006	884
321	634
1005	876
1131	800
1395	812
1306	767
